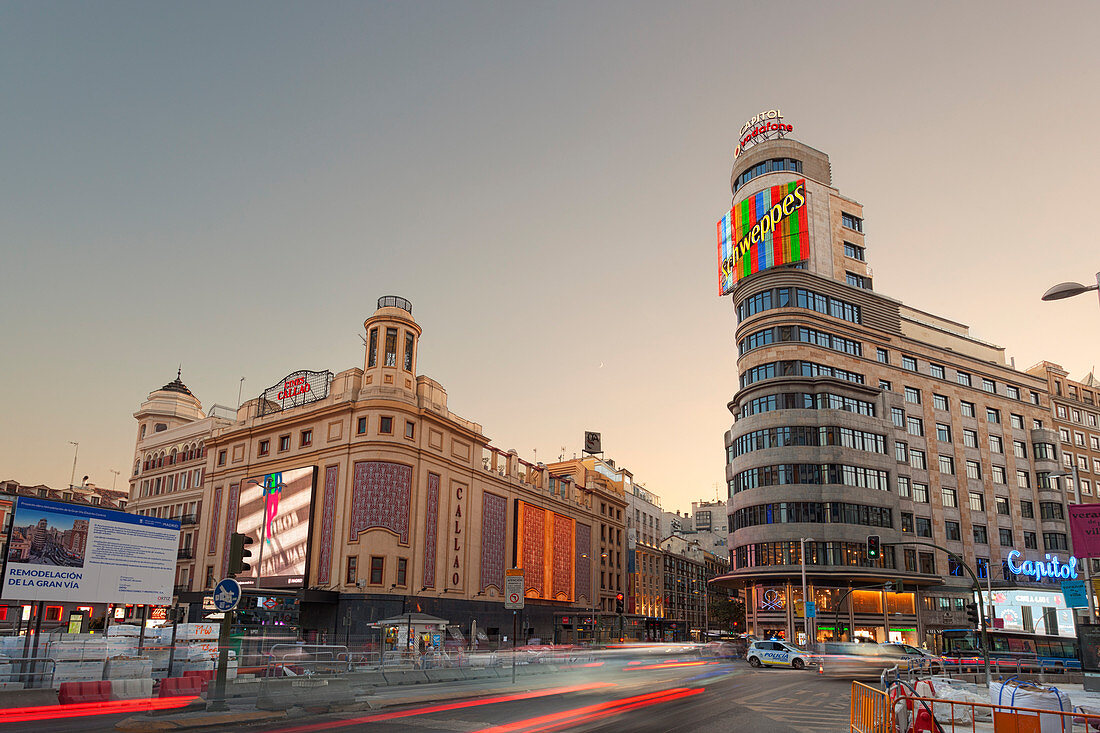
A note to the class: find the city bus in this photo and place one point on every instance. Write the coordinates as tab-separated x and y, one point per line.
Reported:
1007	648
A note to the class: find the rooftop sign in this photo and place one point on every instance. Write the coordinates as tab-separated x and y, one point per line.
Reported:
767	125
295	390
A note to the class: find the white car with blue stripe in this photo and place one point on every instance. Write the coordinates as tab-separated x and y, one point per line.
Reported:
777	654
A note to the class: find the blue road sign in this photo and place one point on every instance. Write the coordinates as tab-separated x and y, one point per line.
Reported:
1075	594
227	594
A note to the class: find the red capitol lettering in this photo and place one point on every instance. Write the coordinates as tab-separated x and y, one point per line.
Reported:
293	388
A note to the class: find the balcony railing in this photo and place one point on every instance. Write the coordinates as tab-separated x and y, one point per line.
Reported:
187	519
177	589
185	553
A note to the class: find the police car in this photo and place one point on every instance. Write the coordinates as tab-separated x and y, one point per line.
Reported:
777	653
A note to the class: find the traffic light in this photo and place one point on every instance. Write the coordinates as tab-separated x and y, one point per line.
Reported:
899	586
972	613
238	553
874	548
620	603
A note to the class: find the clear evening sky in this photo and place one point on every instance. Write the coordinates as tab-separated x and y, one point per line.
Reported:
231	186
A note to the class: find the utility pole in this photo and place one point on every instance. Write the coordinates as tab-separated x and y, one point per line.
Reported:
76	450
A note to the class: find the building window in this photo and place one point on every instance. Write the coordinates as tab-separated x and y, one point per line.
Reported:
992	415
361	426
767	166
858	281
376	566
410	429
940	402
923	526
1013	392
970	438
409	340
967	409
1051	510
1030	541
1023	479
351	577
908	362
1054	541
898	416
903	487
949	498
391	347
284	443
1002	505
1017	421
951	530
927	563
996	444
1019	449
851	222
385	425
947	465
917	459
988	385
265	447
980	536
963	378
1062	412
885	386
901	454
306	439
999	475
973	470
912	394
977	502
1034	398
221	458
914	425
920	493
883	356
906	521
943	432
402	571
372	349
855	252
209	576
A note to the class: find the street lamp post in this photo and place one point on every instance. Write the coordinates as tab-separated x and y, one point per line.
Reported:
1068	290
805	617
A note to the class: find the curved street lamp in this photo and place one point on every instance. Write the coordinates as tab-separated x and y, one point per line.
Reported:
1068	290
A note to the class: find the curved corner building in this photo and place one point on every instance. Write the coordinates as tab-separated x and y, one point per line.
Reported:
857	415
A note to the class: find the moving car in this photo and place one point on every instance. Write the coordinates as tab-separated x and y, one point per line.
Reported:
850	660
928	661
778	654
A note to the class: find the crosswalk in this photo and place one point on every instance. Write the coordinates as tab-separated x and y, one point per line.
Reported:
805	702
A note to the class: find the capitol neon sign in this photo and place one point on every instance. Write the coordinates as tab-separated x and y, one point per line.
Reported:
1039	569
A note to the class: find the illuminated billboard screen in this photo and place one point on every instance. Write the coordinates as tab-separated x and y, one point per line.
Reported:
545	543
275	511
767	229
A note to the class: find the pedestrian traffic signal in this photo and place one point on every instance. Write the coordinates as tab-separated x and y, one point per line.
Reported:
972	613
874	548
620	603
238	553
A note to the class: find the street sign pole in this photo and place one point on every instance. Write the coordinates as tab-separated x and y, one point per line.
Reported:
227	594
513	599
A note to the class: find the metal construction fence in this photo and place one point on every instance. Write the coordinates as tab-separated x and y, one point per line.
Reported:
871	711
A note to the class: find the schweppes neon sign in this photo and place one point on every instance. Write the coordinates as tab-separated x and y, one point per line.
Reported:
767	229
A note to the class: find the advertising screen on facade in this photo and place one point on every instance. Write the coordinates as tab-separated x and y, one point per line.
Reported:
275	511
71	552
767	229
545	543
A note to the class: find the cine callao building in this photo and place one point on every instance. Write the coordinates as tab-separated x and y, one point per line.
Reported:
858	415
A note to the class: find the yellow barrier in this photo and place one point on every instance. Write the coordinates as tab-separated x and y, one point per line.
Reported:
871	711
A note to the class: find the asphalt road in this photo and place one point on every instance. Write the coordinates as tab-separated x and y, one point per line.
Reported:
653	695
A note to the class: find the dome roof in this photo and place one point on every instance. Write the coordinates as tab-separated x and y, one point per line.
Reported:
176	385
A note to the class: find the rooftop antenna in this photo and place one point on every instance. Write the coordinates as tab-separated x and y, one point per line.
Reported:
76	450
179	372
562	456
239	389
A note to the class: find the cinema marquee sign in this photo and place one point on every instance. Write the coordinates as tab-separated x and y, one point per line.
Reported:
294	390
